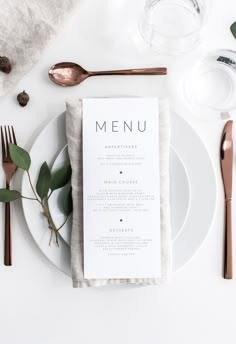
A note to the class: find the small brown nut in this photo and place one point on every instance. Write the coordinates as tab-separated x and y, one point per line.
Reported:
5	64
23	98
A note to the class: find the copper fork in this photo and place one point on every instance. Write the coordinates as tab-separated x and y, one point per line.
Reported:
8	136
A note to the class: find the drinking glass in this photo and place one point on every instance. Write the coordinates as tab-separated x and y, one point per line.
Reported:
210	86
173	26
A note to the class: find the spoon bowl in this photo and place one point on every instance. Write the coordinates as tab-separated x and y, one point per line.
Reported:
72	74
67	74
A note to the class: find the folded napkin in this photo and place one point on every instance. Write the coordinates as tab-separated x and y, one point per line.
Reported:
25	29
74	135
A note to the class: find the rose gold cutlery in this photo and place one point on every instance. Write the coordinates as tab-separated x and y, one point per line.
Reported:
7	136
71	74
226	157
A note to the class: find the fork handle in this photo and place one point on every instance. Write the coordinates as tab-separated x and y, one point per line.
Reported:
228	254
8	241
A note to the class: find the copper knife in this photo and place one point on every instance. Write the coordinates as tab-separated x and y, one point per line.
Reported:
226	159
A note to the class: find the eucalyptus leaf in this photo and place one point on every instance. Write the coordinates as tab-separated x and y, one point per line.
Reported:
233	29
60	177
67	202
20	157
44	181
9	195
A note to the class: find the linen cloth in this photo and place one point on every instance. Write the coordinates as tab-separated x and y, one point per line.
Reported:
74	114
25	29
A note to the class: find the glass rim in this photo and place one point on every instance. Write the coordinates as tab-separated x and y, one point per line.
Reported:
201	19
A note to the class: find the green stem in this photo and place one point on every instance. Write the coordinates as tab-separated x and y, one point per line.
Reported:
56	237
51	235
32	199
62	224
33	188
51	223
46	212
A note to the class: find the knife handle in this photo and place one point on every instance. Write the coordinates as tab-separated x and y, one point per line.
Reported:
228	253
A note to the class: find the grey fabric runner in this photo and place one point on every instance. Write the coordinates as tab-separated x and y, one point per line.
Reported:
26	27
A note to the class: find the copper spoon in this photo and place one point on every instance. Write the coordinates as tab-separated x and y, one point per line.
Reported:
71	74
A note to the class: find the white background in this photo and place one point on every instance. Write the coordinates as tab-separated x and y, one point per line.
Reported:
37	302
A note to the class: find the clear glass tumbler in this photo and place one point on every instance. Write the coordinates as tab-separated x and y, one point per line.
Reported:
210	86
173	26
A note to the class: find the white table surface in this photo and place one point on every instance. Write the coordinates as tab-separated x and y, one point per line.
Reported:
37	302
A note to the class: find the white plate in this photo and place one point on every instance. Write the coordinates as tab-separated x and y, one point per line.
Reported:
179	195
193	205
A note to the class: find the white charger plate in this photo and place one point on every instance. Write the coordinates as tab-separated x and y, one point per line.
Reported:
193	191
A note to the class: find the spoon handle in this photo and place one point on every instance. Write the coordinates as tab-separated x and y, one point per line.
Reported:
140	71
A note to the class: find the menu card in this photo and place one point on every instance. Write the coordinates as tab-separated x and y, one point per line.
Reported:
121	188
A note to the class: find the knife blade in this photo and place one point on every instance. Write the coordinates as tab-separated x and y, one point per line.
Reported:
226	159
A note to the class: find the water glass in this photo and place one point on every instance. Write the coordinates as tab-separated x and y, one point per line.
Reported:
173	26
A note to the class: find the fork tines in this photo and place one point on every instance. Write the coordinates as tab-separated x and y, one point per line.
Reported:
7	136
9	168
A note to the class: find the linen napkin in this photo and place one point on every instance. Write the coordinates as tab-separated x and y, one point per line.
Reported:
25	29
74	113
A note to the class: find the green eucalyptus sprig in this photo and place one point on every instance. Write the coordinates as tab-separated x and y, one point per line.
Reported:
233	29
47	182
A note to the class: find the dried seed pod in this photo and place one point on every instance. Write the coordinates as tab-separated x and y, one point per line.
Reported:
5	64
23	98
